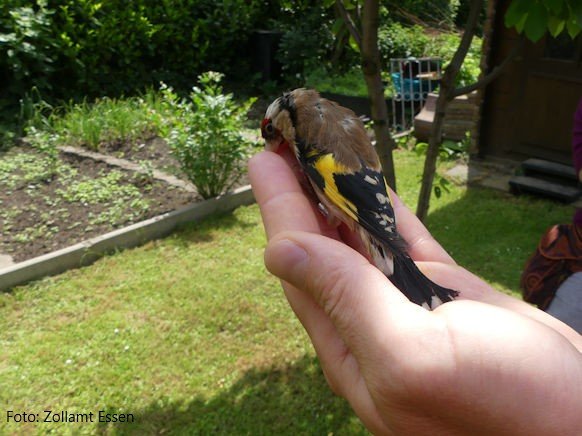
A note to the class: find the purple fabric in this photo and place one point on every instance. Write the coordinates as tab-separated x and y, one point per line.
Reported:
577	151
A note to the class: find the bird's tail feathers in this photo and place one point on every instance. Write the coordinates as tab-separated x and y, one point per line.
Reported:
416	286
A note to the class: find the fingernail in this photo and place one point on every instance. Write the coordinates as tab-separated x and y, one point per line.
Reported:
290	251
283	255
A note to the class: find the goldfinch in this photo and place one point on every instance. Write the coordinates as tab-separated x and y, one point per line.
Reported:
346	180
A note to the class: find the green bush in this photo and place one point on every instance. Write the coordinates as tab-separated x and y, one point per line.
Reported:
398	41
27	58
123	44
445	45
307	39
206	137
72	49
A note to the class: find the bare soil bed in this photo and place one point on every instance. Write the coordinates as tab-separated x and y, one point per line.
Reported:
49	204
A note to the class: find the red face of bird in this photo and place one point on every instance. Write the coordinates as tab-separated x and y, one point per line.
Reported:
272	136
277	126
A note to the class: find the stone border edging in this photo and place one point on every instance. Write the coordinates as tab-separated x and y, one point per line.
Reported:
87	252
127	165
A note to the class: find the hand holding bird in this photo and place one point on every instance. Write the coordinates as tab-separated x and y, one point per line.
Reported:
459	369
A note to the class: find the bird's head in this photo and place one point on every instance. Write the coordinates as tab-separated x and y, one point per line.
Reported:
278	126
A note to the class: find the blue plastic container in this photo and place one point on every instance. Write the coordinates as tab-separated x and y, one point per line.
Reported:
412	89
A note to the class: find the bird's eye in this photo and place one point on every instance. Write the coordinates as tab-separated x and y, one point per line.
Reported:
269	129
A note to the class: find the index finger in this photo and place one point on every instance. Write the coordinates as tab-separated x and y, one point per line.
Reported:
279	195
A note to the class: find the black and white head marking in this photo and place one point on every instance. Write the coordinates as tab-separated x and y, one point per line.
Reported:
287	102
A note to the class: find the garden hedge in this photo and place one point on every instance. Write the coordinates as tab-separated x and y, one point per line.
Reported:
73	48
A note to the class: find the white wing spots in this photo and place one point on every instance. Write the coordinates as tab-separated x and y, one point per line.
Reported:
382	259
386	218
382	199
371	180
383	263
425	306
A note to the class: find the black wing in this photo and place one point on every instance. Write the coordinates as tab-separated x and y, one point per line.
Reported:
362	195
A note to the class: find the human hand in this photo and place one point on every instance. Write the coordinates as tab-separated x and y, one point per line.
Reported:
485	364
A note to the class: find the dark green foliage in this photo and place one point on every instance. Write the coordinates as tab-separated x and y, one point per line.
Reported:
398	41
85	48
27	49
307	39
554	16
440	13
26	44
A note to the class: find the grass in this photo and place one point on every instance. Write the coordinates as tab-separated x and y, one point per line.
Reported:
190	334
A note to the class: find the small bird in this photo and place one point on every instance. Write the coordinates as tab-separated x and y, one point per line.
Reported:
346	181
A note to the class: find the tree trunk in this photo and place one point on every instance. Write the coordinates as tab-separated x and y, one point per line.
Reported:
446	94
371	67
432	153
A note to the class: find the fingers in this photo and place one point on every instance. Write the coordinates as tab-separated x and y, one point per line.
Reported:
421	245
354	303
474	288
280	197
361	303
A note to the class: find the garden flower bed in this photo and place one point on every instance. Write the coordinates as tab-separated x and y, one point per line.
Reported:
85	170
44	209
47	205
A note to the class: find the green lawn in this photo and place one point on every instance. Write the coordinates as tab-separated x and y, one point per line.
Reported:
191	335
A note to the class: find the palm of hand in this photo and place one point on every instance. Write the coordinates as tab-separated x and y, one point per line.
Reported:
469	366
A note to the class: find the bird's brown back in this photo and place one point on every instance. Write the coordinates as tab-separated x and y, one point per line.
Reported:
330	127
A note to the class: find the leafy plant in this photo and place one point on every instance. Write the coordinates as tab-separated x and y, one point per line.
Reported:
449	149
398	41
27	48
206	137
107	120
536	18
305	43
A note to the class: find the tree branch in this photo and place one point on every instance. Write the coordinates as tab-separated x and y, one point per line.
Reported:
493	74
445	96
349	23
457	61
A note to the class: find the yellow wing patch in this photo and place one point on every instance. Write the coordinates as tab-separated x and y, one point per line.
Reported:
327	166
